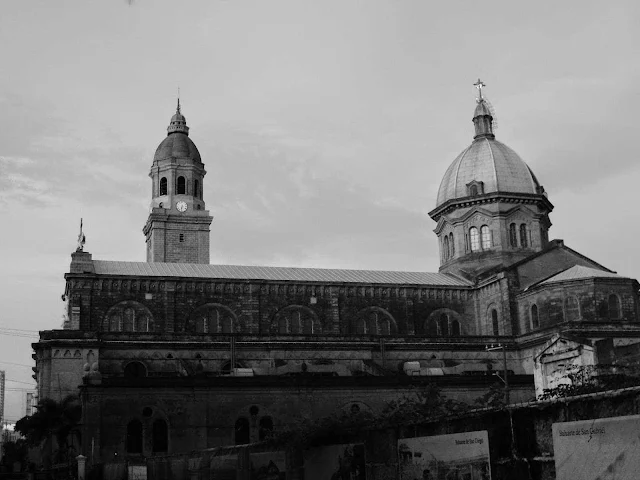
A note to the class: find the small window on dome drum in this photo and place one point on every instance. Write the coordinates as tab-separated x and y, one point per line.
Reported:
196	189
494	322
523	235
452	245
486	237
181	186
475	239
535	321
614	306
473	190
163	186
513	237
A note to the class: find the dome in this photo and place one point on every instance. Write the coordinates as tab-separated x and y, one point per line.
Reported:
177	145
491	162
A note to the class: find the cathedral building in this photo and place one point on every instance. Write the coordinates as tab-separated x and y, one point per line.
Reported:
175	354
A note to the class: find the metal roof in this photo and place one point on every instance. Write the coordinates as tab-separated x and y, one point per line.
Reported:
578	272
291	274
491	162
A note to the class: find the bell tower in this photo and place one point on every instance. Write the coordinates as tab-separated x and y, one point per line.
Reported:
177	230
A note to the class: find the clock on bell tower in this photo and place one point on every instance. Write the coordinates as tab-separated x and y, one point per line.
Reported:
177	230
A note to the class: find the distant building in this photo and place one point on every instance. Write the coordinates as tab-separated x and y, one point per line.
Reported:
31	401
174	354
2	384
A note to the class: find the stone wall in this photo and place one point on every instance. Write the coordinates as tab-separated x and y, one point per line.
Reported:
520	440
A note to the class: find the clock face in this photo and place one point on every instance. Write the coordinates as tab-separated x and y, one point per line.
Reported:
181	206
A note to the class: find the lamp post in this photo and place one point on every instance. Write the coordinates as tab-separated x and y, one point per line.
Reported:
505	376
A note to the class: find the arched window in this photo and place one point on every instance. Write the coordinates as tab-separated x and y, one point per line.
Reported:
265	428
523	235
143	323
242	436
307	326
115	322
196	188
129	320
513	238
384	326
135	370
494	322
181	186
486	237
473	190
444	325
446	247
432	328
298	320
282	325
160	436
163	186
572	308
452	245
134	437
294	318
614	306
475	239
535	320
455	328
212	318
128	316
375	321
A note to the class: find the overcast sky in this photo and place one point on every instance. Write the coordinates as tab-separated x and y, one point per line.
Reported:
325	128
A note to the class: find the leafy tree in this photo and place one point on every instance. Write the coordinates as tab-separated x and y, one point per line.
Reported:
494	398
52	420
427	402
593	378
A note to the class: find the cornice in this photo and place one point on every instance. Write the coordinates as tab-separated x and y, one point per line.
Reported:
135	284
505	197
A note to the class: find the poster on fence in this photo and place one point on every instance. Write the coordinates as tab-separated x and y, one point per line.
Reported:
268	465
602	449
335	462
456	456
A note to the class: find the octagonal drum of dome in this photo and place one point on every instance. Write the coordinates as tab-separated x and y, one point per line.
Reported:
491	162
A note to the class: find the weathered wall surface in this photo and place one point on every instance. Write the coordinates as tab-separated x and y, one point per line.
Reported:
524	451
202	413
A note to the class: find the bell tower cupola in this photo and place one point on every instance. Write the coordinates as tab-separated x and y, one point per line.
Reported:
491	210
177	230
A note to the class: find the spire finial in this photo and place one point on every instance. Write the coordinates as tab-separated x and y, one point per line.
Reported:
81	239
479	84
178	109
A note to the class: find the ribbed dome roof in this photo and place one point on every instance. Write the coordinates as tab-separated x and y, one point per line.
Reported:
491	162
177	145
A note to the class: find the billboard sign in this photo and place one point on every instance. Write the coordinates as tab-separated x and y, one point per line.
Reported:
604	448
459	455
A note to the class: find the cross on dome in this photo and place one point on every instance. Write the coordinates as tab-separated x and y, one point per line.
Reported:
479	84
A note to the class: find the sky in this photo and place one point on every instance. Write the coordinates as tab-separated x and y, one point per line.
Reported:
325	128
